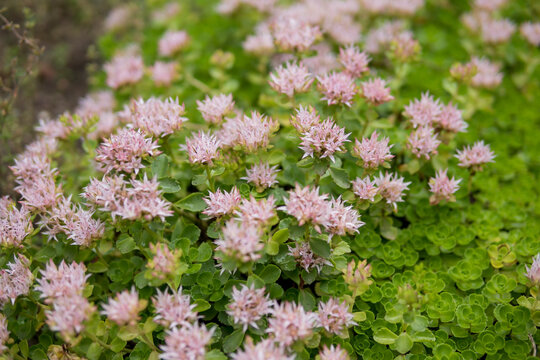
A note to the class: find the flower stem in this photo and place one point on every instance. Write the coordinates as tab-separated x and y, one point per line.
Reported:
210	179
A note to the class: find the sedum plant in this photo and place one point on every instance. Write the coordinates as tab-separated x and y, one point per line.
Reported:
285	180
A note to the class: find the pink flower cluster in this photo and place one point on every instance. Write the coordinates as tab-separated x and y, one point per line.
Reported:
306	258
141	200
337	88
475	156
248	306
442	187
125	151
164	73
240	241
157	117
249	133
62	287
124	309
307	206
216	108
372	151
290	79
221	202
292	34
202	148
172	42
124	70
174	309
16	280
15	224
262	175
375	91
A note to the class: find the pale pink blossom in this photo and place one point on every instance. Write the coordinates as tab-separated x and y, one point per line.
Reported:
451	120
476	156
15	224
442	187
39	193
496	31
214	109
343	28
30	165
306	258
248	305
68	314
261	43
333	353
337	88
392	7
16	280
307	206
141	200
202	148
172	42
342	219
324	140
62	281
391	188
173	309
124	308
166	13
221	202
265	349
365	189
4	334
531	32
240	241
290	323
290	79
124	70
305	118
375	91
156	117
372	151
52	128
533	272
249	133
164	73
423	112
293	34
334	316
379	39
423	142
125	151
82	229
323	61
262	175
96	103
260	212
186	343
488	74
119	17
107	122
164	261
489	5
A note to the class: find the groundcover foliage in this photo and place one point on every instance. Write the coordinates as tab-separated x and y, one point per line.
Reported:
286	180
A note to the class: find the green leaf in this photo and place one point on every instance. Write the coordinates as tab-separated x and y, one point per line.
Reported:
320	247
205	252
193	202
384	336
305	163
403	343
202	305
281	236
94	351
340	177
160	166
118	344
270	274
127	334
306	299
215	355
98	267
126	244
169	186
233	341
